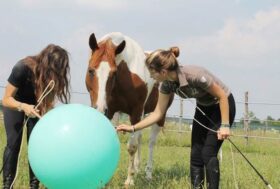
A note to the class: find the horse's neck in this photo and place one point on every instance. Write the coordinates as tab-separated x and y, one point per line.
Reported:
132	54
134	57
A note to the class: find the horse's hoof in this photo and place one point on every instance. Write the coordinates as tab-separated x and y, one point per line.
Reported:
148	171
128	183
149	176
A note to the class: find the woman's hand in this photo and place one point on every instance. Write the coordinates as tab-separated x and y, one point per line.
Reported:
223	133
30	111
10	102
125	128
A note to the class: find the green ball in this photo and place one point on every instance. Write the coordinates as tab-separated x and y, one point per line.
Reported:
74	147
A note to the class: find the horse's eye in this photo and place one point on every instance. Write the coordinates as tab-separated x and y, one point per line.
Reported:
91	72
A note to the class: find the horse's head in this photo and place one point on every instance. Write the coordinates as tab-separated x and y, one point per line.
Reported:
101	72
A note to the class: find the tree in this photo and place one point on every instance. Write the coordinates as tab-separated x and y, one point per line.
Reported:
253	119
271	121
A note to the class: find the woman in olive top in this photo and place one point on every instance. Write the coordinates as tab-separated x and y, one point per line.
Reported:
215	110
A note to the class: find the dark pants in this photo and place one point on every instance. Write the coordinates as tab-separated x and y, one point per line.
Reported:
205	144
13	121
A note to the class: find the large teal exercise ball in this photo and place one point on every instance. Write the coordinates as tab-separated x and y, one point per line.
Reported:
74	147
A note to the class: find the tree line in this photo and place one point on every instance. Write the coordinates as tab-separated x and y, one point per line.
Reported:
253	120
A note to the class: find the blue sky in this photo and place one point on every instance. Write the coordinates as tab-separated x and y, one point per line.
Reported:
237	40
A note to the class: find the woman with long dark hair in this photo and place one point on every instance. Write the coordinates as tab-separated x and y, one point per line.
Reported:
26	83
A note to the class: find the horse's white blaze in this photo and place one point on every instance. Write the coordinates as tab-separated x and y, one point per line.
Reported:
102	73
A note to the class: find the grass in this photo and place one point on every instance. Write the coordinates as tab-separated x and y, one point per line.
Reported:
172	156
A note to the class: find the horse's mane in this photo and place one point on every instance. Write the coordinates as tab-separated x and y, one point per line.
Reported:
132	51
133	54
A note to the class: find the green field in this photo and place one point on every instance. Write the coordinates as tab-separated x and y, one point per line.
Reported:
171	162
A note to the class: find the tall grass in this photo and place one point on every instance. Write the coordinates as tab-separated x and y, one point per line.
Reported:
172	156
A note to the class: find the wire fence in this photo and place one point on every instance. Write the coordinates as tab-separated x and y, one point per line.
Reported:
182	121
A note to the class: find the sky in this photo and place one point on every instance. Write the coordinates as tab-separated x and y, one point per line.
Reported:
236	40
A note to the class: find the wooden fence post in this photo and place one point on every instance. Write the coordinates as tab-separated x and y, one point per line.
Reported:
246	117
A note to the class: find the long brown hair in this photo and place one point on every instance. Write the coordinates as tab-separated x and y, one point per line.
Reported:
52	63
163	59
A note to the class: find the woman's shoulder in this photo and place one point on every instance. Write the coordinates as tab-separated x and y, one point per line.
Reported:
193	70
21	69
20	66
23	65
192	67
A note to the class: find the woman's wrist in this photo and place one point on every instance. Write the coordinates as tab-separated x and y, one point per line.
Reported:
19	107
226	125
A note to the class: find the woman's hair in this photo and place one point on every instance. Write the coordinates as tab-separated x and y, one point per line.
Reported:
163	59
52	63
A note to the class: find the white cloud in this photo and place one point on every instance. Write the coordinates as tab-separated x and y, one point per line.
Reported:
254	41
265	20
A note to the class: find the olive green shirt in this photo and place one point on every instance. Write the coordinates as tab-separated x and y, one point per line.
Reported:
194	82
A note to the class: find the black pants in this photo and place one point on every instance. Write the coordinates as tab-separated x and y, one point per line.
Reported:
205	143
13	121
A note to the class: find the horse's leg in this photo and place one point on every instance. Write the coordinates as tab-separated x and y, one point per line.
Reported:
155	129
132	148
137	158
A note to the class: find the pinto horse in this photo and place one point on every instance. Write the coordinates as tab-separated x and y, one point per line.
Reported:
118	81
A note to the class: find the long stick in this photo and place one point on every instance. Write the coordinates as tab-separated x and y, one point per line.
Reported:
265	181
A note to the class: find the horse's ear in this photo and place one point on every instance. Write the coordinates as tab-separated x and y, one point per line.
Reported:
147	53
92	42
120	47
